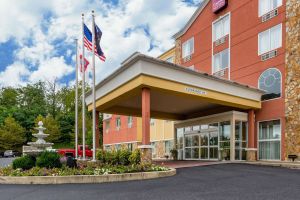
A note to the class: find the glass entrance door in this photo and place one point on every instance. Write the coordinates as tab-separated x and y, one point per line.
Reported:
202	146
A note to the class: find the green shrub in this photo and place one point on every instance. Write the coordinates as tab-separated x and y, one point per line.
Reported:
135	157
25	162
124	157
100	155
48	160
115	158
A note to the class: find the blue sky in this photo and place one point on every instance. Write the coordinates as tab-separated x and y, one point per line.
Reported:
37	37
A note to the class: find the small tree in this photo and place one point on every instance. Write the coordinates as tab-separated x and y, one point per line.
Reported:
12	134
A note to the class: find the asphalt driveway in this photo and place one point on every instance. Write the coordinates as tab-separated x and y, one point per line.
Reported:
224	181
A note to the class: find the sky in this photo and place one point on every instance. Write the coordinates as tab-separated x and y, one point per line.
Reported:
37	38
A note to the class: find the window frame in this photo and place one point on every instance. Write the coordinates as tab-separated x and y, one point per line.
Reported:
258	85
118	126
220	53
269	35
266	140
217	21
107	125
129	122
185	43
259	3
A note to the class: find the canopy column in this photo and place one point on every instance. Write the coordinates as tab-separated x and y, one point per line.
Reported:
146	148
251	150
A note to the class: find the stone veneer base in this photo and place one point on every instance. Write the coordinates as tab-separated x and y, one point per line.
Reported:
85	178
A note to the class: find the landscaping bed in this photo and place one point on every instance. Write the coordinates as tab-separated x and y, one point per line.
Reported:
51	164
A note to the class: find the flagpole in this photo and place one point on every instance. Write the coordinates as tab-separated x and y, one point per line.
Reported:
94	79
83	92
76	103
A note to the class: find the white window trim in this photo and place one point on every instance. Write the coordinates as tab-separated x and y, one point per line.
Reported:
260	15
258	140
182	49
118	126
269	30
228	67
216	21
229	45
280	83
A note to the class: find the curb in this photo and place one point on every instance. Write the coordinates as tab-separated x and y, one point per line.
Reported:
85	178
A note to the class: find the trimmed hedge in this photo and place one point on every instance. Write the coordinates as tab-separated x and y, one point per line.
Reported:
24	162
48	160
120	157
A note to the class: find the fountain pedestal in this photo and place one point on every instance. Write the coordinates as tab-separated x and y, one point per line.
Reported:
40	144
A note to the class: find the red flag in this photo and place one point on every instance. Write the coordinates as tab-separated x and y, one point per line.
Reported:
86	63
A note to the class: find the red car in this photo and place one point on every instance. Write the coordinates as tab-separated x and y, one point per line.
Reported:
71	152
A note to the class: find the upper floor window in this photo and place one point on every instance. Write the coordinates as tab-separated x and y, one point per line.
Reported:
266	6
107	125
188	47
221	28
130	119
270	82
270	39
221	60
118	123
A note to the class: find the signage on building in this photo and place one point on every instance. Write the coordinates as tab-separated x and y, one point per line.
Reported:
195	91
218	5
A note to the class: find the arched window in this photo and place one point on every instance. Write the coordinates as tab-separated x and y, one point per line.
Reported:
270	82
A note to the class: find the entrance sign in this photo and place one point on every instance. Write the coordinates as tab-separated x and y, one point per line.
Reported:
218	5
195	91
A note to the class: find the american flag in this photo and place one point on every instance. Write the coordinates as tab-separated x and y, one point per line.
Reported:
88	41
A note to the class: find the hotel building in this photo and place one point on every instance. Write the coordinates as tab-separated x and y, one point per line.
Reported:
233	91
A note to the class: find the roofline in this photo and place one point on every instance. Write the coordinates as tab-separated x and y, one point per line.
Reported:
191	20
138	56
166	52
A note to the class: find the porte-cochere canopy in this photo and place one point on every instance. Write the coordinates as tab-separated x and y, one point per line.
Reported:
177	93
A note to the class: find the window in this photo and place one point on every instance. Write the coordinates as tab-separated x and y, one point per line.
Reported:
129	121
188	48
270	39
152	122
170	59
221	28
221	60
270	82
168	146
118	123
269	140
130	146
107	125
117	147
266	6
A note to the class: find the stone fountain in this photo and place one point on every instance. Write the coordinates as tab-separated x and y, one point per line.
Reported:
40	144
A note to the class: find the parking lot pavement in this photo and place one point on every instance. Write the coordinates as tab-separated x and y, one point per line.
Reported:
224	181
5	161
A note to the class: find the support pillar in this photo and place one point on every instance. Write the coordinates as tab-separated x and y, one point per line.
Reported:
97	130
146	148
232	139
251	150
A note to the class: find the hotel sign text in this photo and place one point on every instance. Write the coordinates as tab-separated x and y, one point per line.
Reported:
195	91
218	5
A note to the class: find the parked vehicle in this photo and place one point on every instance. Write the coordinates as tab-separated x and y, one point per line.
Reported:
71	152
1	154
11	153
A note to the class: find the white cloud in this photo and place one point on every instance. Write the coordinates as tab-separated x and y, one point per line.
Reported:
25	22
50	69
14	75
